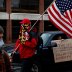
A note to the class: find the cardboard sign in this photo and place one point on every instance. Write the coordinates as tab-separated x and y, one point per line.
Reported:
63	51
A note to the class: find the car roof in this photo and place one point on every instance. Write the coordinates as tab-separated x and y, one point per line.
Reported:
53	32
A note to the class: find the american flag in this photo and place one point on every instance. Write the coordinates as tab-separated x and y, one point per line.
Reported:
60	14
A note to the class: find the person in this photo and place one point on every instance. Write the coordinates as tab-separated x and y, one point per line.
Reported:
59	38
5	65
26	45
1	36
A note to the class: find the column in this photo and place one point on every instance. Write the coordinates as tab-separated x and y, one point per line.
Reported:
41	10
9	23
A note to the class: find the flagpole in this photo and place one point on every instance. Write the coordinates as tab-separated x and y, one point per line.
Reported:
40	16
37	20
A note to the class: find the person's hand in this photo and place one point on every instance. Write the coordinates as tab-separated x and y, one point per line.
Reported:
27	35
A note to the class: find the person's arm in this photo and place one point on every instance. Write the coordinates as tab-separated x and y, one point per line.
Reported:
32	43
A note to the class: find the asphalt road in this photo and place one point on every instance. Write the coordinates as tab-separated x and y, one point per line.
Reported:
17	67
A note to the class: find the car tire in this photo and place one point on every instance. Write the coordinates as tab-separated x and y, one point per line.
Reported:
36	67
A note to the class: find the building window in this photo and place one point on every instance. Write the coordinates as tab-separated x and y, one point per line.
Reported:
25	6
47	3
15	30
2	5
15	3
48	26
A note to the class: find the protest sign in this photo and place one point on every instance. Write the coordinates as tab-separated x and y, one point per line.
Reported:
63	51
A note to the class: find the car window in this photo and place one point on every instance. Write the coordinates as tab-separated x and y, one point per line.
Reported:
48	37
60	36
45	38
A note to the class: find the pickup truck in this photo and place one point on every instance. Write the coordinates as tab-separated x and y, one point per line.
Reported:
46	56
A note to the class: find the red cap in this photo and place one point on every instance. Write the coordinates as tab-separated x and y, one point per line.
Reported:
25	21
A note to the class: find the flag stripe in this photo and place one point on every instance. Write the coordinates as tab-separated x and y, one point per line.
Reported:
59	26
66	32
59	19
56	19
63	22
59	15
68	15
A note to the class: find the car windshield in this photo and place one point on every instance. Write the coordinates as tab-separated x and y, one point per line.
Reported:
45	38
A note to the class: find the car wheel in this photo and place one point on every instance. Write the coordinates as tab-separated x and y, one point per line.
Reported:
36	68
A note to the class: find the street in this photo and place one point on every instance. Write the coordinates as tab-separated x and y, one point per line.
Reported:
17	67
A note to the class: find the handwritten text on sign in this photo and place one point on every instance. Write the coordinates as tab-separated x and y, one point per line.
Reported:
63	51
